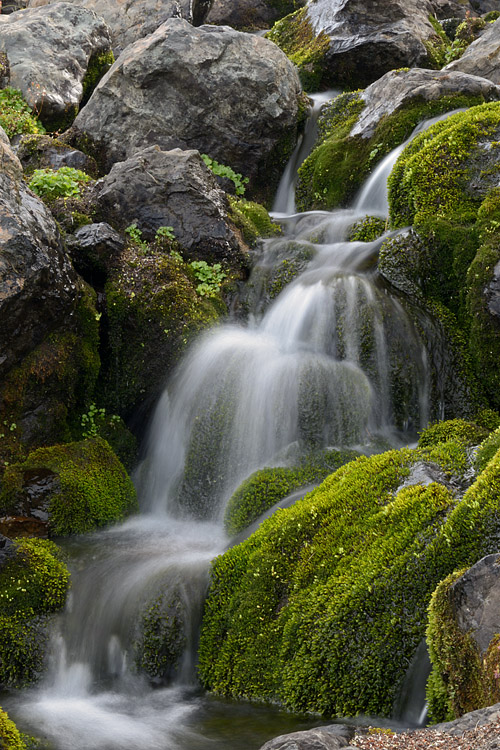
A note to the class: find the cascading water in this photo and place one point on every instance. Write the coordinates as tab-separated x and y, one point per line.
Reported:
329	360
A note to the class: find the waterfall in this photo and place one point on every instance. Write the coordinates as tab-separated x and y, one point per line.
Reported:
327	359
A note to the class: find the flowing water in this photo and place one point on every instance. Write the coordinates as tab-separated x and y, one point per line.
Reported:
329	359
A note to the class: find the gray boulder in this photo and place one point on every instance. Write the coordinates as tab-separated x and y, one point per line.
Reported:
475	598
331	737
397	88
49	51
36	151
92	248
38	286
482	57
250	14
231	95
157	188
130	20
451	8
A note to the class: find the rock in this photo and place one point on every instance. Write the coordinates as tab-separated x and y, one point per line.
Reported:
157	188
92	247
482	57
130	20
492	293
38	286
50	50
231	95
450	8
396	89
322	738
479	718
7	550
249	14
44	152
353	43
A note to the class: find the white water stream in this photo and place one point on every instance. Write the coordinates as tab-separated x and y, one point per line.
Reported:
321	364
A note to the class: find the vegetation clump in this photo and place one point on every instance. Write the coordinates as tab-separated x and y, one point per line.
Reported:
10	739
16	116
58	183
368	229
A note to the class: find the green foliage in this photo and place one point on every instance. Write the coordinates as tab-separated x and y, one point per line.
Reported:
135	235
210	277
164	233
221	170
456	430
16	116
266	487
487	450
98	65
368	229
92	488
96	422
10	739
64	182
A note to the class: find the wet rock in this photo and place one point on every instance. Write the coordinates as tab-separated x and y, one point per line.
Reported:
49	50
397	88
157	188
130	20
38	286
231	95
482	57
44	152
322	738
91	249
451	8
249	14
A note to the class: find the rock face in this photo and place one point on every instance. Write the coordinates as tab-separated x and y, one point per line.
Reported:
38	286
170	188
49	50
482	57
130	20
322	738
475	598
396	89
352	42
231	95
249	14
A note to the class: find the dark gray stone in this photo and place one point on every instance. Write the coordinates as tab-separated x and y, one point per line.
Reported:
249	14
331	737
475	598
44	152
92	247
492	293
451	8
7	550
482	57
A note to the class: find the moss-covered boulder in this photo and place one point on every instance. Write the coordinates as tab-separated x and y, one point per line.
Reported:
357	129
71	488
324	605
153	312
9	734
162	637
33	585
266	487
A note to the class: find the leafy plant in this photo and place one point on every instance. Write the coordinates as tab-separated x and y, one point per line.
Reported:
135	235
58	183
210	277
16	115
221	170
164	233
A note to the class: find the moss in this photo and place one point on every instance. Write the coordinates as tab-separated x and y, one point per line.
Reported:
252	219
295	36
162	640
457	430
487	450
88	485
10	739
366	230
33	584
153	313
15	115
266	487
337	166
436	44
97	66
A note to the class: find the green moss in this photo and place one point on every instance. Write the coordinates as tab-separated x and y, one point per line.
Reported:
295	36
10	739
15	115
266	487
252	219
487	450
457	430
90	487
162	639
366	230
436	44
97	66
33	584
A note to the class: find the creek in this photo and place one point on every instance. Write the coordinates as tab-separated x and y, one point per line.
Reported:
319	362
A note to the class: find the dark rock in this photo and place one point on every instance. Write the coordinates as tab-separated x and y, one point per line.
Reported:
482	57
249	14
157	188
475	598
231	95
91	249
7	549
492	293
44	152
322	738
444	9
49	50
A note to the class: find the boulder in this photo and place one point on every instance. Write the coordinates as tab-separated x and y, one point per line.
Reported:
250	14
482	57
331	737
129	20
50	51
352	43
43	152
451	8
157	188
231	95
92	248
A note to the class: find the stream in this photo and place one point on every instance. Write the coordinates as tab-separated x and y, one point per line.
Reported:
315	364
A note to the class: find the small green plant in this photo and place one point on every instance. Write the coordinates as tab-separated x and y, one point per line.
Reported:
166	233
16	115
93	421
135	235
64	182
210	277
221	170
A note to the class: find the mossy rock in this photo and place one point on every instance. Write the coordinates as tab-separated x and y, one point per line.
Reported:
162	639
367	230
266	487
97	66
33	585
487	450
252	219
456	430
81	486
325	604
153	313
10	739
